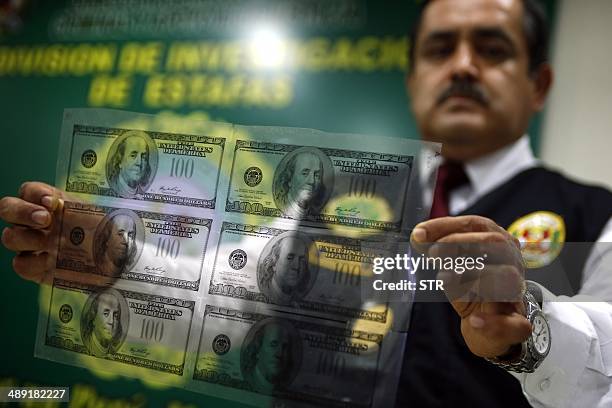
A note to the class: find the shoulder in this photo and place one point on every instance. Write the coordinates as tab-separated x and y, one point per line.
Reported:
585	208
589	205
552	181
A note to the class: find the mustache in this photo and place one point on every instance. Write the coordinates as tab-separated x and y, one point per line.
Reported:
464	89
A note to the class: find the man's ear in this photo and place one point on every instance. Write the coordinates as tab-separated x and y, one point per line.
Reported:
542	80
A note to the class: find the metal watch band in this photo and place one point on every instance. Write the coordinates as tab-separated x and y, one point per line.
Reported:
526	362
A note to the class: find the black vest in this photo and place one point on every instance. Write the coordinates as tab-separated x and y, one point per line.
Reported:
438	369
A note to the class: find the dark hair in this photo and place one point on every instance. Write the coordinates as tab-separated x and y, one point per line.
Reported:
535	28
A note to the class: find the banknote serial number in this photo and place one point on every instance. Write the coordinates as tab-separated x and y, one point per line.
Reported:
10	394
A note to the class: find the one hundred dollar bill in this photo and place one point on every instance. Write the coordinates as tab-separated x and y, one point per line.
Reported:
313	272
288	358
144	330
144	165
320	185
163	249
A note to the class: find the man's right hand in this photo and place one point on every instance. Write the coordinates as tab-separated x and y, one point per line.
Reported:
33	218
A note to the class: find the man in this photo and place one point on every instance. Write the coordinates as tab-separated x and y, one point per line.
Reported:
298	189
268	359
478	74
284	273
115	245
128	169
101	328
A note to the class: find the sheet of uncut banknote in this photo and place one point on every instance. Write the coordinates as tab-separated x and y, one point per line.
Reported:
231	260
316	178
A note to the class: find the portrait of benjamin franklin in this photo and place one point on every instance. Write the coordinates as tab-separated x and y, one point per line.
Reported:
104	322
303	182
287	268
131	164
118	242
271	355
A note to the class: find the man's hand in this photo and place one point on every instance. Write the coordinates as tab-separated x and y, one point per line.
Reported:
33	216
489	302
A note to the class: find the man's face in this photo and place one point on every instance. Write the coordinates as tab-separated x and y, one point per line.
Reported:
274	353
121	240
134	161
291	262
470	86
108	317
306	179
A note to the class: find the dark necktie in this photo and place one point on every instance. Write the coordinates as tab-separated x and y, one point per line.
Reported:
450	176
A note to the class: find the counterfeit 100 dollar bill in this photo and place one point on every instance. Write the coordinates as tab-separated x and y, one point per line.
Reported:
321	185
288	358
143	165
137	245
130	327
311	272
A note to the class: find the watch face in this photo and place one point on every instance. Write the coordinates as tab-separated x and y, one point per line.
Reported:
540	334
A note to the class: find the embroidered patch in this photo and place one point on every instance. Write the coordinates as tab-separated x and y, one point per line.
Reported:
541	234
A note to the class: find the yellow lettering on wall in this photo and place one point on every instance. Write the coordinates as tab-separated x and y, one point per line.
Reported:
175	91
110	91
367	51
205	56
140	58
314	54
196	90
282	92
183	57
233	56
234	88
342	54
153	92
57	59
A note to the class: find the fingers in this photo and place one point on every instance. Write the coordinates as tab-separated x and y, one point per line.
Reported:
433	230
470	244
501	331
490	329
33	208
34	267
21	239
474	237
17	211
40	193
495	283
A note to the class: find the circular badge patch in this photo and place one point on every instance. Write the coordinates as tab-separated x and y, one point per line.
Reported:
253	176
65	313
221	344
77	235
237	259
89	158
541	234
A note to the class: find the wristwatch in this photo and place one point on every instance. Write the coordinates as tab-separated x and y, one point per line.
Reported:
527	356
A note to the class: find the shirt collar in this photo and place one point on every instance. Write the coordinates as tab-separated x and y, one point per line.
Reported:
490	171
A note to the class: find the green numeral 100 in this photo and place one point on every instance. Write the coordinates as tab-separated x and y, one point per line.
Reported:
152	330
362	187
181	168
167	247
